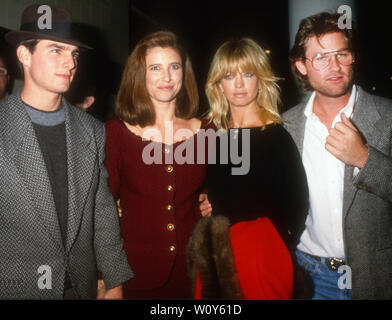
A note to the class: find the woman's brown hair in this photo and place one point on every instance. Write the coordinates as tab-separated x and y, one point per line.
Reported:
133	104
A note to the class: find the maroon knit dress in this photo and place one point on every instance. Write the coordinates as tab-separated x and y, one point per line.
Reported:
159	210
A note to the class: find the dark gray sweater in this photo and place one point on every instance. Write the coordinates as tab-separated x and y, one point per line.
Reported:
50	130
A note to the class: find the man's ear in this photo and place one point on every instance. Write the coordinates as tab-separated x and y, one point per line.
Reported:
24	55
301	67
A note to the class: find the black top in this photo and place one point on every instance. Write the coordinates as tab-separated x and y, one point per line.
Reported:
53	147
50	130
49	127
275	186
52	141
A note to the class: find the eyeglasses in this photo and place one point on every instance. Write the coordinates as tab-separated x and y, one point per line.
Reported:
3	72
322	60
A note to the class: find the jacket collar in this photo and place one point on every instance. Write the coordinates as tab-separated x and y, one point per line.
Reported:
365	117
81	165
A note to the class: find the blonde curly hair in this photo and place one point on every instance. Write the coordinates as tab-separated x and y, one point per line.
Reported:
245	55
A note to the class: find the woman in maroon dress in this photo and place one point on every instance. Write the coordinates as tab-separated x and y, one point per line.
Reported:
153	134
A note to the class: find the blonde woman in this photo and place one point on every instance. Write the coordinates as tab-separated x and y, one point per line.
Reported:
245	249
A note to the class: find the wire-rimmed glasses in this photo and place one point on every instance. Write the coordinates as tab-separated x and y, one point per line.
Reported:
322	60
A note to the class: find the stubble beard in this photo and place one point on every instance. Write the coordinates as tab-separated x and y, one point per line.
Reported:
327	91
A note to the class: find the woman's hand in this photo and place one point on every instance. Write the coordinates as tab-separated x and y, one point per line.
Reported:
205	205
119	208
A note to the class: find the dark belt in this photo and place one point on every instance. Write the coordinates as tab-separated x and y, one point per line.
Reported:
332	263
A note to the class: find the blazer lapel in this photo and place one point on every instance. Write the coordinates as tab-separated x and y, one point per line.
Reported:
22	147
80	169
296	127
366	119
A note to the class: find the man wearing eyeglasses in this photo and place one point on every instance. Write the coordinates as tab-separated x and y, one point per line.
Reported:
344	136
4	78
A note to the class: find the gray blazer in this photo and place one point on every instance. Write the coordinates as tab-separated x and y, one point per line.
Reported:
30	235
367	200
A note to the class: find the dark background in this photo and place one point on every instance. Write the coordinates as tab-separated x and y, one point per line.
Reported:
205	25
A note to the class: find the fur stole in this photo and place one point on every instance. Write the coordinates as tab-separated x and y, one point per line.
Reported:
210	253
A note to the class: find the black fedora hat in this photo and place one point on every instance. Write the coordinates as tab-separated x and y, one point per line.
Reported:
61	28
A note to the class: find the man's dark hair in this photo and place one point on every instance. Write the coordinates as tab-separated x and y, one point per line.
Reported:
3	55
5	62
318	25
30	45
4	58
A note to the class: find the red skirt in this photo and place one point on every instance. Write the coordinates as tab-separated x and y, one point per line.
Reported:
263	263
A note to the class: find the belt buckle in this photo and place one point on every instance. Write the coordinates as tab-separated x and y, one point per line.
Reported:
335	263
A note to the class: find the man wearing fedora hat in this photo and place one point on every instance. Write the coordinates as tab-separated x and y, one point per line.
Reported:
58	221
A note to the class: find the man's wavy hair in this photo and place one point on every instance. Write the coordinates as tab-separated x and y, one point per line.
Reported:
318	25
133	103
245	55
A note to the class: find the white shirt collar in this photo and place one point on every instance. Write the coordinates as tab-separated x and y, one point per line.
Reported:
348	109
